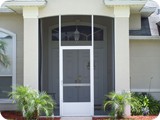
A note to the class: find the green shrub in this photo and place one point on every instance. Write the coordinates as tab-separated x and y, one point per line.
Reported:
145	100
32	102
154	105
118	101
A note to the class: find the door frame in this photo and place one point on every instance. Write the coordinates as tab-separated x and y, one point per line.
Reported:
91	48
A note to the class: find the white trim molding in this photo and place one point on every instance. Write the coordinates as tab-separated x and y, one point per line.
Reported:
146	90
144	38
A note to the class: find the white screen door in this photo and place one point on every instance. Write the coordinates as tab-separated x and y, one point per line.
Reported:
76	75
76	86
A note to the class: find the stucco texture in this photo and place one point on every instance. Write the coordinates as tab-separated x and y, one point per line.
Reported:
145	65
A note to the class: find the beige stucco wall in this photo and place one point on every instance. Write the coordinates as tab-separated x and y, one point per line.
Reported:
14	23
72	7
145	65
135	22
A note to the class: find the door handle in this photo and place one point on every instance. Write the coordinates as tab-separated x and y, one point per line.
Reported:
78	80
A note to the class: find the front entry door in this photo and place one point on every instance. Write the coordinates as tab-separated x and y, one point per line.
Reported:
76	86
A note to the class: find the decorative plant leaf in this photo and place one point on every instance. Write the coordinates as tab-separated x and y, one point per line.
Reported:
4	60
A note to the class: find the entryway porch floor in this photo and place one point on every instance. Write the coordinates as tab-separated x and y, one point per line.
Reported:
76	118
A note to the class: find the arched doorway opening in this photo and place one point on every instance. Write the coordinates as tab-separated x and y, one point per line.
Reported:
77	62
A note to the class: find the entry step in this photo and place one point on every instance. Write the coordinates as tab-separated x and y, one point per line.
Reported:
76	118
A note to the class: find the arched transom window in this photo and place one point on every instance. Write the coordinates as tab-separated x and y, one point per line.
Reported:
77	33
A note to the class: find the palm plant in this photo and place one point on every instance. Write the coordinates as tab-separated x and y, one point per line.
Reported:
32	103
118	101
4	60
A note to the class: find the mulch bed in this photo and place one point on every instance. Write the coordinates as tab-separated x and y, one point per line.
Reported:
150	117
15	115
128	118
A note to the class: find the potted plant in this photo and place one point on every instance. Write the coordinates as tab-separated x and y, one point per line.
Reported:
4	60
118	101
31	102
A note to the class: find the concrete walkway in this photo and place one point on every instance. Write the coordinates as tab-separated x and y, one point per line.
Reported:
76	118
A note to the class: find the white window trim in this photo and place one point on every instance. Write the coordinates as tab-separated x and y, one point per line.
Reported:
13	63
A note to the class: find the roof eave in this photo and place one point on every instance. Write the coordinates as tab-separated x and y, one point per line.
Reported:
111	3
18	5
5	10
25	3
147	11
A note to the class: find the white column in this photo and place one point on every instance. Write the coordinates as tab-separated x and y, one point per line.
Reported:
30	15
122	72
122	67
